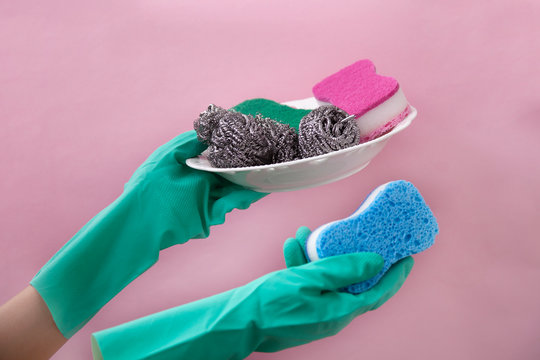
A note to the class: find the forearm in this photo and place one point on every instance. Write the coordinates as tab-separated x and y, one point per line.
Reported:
111	250
27	329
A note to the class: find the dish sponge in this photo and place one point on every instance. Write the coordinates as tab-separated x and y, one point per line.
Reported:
393	221
377	102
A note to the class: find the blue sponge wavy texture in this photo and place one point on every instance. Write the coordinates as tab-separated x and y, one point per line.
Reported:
398	223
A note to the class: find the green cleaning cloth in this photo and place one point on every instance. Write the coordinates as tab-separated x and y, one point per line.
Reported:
273	110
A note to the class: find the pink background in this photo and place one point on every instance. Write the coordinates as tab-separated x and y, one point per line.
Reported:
89	90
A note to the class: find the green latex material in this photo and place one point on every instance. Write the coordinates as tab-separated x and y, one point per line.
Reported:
164	203
273	110
293	248
282	309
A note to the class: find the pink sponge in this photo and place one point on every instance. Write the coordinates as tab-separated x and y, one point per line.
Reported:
359	90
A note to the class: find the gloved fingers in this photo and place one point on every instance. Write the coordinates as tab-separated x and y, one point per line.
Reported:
187	140
185	146
293	248
302	235
293	253
228	196
241	198
336	272
172	153
387	286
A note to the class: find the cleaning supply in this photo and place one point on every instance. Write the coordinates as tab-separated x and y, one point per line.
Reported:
249	138
286	308
394	221
264	134
273	110
164	203
239	140
377	102
326	129
320	131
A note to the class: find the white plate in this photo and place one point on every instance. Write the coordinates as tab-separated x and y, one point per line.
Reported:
304	173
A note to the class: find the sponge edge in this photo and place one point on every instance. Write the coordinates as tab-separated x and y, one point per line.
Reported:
394	221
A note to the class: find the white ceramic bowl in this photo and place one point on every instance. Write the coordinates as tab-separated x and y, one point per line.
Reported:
304	173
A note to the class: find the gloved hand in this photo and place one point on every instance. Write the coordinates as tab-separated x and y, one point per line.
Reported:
164	203
282	309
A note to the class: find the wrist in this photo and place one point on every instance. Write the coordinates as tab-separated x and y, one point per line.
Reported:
27	330
101	259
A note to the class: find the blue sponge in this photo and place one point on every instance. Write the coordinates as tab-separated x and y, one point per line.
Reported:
393	221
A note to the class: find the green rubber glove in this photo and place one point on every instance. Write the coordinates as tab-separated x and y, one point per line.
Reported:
164	203
282	309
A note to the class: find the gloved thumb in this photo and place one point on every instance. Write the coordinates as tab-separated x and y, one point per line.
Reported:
187	146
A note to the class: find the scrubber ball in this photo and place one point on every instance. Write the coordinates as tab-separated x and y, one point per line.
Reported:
285	141
240	140
326	129
208	120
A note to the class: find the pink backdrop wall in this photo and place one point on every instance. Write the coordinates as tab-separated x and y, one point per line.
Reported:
89	89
